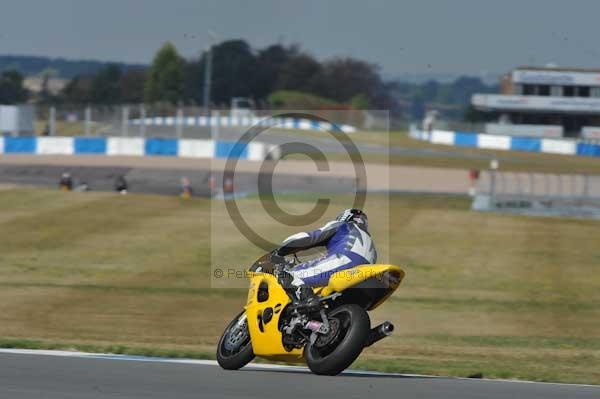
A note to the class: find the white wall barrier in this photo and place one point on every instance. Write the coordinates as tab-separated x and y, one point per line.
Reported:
196	148
442	137
493	142
558	146
125	146
55	146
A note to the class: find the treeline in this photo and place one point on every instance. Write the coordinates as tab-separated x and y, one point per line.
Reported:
12	90
276	73
451	99
276	76
57	67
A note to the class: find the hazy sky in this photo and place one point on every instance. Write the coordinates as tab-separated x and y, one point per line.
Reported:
438	36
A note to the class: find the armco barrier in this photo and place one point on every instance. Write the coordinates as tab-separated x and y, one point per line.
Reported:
229	121
497	142
135	146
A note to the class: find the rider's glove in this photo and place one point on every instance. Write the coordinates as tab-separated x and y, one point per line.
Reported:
277	259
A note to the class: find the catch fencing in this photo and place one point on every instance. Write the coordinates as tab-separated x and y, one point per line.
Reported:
539	193
188	122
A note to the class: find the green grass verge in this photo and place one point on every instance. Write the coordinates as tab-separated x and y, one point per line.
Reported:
444	156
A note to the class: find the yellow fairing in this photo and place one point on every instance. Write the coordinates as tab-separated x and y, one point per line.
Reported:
266	337
389	278
264	330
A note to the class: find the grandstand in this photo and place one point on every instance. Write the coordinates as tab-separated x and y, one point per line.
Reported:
546	102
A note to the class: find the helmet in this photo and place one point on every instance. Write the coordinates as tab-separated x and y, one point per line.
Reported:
354	215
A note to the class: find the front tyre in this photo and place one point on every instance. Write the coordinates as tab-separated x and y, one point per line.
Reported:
235	348
333	353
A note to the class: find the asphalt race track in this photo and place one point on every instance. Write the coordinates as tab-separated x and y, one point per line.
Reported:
28	375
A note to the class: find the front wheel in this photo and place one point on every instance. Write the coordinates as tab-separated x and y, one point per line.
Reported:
333	353
235	348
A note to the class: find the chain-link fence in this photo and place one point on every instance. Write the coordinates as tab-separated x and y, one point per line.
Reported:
539	194
506	185
163	120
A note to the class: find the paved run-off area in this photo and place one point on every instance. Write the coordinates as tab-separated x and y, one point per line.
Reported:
46	169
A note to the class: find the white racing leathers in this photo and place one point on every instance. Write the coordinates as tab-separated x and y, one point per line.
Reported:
348	245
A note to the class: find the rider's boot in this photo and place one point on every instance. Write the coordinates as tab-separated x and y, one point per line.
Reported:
301	294
305	295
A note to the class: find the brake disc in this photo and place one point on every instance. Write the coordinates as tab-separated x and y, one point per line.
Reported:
237	336
326	339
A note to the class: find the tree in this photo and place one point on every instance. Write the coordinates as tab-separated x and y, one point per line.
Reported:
77	91
360	101
45	96
12	90
165	78
132	86
299	73
473	115
298	100
233	71
105	88
464	87
194	80
269	64
430	90
343	78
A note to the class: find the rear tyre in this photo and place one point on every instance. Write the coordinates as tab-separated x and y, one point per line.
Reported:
235	347
333	353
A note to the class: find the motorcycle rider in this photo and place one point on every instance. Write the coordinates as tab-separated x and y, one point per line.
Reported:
348	243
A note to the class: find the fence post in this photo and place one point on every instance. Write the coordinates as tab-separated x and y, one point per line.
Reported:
560	185
518	184
586	186
179	123
15	130
52	121
88	121
493	188
143	120
216	117
531	185
125	121
502	183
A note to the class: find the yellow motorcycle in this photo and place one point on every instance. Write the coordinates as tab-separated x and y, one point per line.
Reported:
328	334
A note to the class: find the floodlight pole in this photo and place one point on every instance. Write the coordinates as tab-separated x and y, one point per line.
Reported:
207	80
208	71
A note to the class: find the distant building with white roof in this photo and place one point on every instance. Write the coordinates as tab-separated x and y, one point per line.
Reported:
546	102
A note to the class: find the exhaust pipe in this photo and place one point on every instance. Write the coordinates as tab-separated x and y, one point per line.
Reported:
380	332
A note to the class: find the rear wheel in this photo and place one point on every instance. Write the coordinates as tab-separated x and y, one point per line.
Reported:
333	353
235	348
